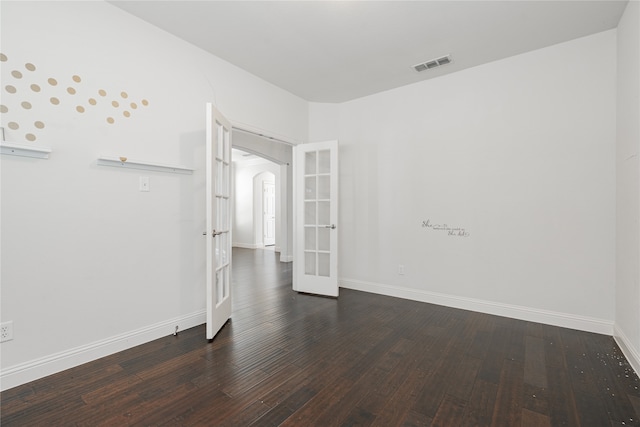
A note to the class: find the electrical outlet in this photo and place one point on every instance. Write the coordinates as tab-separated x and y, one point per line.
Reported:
401	270
6	331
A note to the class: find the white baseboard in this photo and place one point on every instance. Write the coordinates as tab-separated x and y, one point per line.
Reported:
630	352
564	320
23	373
247	245
286	258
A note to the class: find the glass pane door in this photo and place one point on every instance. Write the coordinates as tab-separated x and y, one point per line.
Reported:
317	205
316	215
218	220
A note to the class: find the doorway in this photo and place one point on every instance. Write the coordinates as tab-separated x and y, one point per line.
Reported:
263	193
256	203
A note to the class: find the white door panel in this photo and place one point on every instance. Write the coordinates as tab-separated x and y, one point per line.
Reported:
269	213
218	220
316	218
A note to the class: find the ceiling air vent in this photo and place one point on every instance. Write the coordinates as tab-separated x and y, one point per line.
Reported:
432	63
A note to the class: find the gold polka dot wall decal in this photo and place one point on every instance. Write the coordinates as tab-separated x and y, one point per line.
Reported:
13	125
10	89
110	120
26	105
77	79
145	102
126	114
30	137
124	94
17	74
71	90
92	101
134	105
39	124
35	88
54	101
80	109
52	81
115	104
4	109
3	57
102	92
30	66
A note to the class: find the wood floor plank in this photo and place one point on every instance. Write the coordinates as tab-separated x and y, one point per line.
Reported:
482	403
450	412
536	399
248	416
442	364
397	409
462	379
534	419
338	412
589	403
415	419
535	372
358	417
612	389
324	398
563	410
363	359
491	367
508	406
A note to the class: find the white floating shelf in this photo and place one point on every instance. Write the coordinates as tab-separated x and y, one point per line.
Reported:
138	164
24	150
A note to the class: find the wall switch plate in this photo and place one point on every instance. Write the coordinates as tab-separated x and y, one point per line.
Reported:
6	331
144	183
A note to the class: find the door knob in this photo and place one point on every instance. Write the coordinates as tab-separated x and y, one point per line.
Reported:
214	233
332	226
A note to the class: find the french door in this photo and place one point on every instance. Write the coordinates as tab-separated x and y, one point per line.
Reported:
316	218
218	221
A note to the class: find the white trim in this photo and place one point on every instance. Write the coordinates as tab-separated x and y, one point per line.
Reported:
23	150
23	373
564	320
286	258
247	245
252	130
144	165
632	354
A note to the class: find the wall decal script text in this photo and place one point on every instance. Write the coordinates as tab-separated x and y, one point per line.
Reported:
451	231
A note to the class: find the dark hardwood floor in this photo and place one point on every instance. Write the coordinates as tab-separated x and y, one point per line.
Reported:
299	360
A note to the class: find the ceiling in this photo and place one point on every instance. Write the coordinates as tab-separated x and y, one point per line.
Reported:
335	51
240	156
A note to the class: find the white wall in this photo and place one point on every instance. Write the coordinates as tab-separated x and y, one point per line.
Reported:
628	185
91	265
247	225
323	121
521	154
